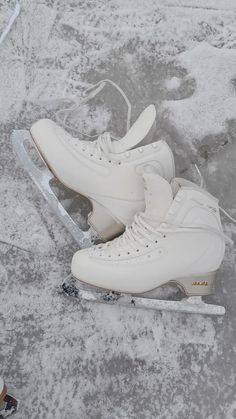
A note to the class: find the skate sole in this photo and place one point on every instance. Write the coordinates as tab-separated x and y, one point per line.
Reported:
194	304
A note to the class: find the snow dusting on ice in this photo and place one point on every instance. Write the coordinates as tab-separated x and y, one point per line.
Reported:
213	102
70	360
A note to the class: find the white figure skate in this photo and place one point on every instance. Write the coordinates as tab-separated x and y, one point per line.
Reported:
178	239
107	172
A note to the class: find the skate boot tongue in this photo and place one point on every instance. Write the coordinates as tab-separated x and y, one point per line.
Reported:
158	198
140	133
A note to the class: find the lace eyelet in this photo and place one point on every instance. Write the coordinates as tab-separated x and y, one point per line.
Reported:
156	241
109	161
147	245
119	254
128	253
100	158
91	155
83	149
119	163
137	250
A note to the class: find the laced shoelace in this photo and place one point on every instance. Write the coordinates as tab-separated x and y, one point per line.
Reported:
101	147
63	114
141	233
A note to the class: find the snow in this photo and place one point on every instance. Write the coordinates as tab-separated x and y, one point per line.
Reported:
65	360
173	83
213	70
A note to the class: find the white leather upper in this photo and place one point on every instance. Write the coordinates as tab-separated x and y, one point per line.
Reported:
185	238
113	179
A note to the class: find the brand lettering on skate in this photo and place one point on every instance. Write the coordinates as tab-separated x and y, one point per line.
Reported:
200	283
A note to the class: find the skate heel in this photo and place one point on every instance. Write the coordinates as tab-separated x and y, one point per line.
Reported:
197	284
105	225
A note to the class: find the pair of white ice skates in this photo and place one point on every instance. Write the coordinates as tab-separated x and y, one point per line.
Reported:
169	228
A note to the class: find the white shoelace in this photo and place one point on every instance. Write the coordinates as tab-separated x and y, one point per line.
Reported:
103	146
141	234
63	114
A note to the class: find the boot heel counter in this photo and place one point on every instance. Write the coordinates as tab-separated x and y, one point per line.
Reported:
197	284
102	221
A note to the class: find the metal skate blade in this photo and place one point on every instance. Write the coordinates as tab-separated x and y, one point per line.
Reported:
42	178
75	288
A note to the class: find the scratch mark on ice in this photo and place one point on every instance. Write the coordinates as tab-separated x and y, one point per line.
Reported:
10	23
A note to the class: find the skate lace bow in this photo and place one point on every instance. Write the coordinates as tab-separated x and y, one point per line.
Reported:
140	233
103	145
90	93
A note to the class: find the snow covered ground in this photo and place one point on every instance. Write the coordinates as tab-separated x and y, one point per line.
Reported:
70	361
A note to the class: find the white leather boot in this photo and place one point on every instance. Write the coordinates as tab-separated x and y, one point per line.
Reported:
178	238
108	172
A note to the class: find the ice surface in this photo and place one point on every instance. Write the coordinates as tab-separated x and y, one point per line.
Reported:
70	361
173	83
214	72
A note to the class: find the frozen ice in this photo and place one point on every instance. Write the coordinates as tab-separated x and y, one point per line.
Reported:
65	360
